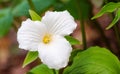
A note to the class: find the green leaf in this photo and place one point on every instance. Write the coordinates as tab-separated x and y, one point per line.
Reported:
41	69
115	20
72	40
79	9
43	5
74	53
109	7
6	20
94	60
21	9
31	56
34	15
15	3
40	6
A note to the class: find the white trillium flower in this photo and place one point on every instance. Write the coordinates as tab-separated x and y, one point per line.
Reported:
47	37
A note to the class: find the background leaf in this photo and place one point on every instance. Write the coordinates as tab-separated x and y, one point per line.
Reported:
109	7
115	20
40	6
15	3
94	60
6	20
79	9
41	69
31	56
72	40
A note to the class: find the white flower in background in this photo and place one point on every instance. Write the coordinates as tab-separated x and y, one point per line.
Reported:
47	37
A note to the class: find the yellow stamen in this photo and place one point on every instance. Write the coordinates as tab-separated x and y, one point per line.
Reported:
46	38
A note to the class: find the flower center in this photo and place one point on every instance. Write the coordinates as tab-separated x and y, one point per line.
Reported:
46	38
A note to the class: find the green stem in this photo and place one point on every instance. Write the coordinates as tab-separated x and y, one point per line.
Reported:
31	4
83	34
117	34
55	71
81	24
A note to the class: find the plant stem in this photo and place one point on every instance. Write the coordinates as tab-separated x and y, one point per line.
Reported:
83	33
117	34
31	4
81	24
55	71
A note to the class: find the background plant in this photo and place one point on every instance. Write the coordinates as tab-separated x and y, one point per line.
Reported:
84	60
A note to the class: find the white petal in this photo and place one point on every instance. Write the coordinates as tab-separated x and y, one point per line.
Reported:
60	23
30	34
55	54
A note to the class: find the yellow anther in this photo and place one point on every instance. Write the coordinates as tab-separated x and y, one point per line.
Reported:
46	38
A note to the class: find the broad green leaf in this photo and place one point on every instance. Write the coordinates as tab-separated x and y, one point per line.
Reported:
115	20
40	6
31	56
6	20
41	69
75	7
74	53
43	5
72	40
79	9
109	7
34	15
94	60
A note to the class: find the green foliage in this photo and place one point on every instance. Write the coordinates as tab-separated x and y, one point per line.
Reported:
79	9
72	40
94	60
110	7
21	9
73	9
16	2
34	15
41	69
40	6
6	20
115	20
31	56
74	53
